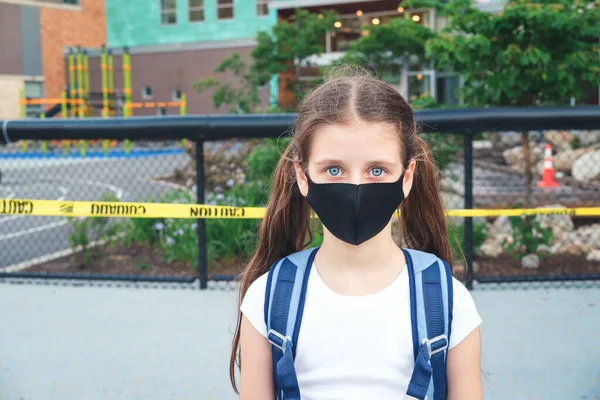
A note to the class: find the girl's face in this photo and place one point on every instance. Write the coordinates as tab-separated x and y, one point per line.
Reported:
355	153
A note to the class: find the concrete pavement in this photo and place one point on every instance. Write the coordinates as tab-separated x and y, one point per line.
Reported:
74	343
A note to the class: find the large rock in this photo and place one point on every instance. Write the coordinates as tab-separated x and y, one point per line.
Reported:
594	256
588	138
452	200
500	229
563	161
491	248
559	139
581	241
505	139
531	261
587	167
559	224
515	157
453	185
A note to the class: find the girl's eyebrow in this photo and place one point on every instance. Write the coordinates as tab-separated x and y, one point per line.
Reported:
329	161
383	161
379	161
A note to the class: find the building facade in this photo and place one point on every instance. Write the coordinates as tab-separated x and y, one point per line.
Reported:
174	43
33	34
413	80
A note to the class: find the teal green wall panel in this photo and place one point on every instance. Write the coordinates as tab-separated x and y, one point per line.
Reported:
137	23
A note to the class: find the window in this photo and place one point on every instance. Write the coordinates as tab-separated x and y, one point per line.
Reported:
147	93
168	12
196	10
224	9
419	85
33	90
73	2
176	95
344	33
262	7
420	17
447	90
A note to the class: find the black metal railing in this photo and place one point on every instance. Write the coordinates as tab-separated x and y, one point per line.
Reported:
200	130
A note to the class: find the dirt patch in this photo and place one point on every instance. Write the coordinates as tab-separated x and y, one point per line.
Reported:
557	264
136	260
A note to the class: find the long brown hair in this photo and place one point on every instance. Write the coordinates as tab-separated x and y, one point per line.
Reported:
286	226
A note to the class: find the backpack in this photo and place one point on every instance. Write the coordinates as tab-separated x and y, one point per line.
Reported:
430	281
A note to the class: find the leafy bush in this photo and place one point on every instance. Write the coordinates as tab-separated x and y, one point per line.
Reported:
262	162
526	237
141	231
230	239
179	241
84	231
456	234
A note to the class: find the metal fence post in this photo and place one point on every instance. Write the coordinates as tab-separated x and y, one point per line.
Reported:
201	225
468	160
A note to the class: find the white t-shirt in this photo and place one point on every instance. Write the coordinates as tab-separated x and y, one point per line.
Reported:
357	347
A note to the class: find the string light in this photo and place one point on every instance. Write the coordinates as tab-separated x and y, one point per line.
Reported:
375	21
400	9
337	24
359	13
416	18
320	16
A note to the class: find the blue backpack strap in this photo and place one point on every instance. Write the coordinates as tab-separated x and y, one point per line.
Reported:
431	316
284	304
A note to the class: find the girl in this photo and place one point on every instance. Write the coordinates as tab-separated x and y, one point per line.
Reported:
354	135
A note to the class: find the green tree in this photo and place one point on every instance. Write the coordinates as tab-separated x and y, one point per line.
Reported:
288	46
285	48
533	53
243	97
389	46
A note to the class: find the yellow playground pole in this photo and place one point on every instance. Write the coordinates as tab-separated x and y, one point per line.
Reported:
86	83
103	68
72	90
183	105
23	107
63	104
44	144
183	111
127	112
80	80
127	82
111	77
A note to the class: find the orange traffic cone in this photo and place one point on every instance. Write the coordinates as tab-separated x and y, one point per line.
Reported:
548	175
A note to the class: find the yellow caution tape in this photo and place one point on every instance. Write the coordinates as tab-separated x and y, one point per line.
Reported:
162	210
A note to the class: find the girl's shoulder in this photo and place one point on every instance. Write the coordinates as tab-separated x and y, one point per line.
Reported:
253	304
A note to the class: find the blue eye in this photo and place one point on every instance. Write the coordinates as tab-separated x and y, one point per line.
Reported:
333	171
377	171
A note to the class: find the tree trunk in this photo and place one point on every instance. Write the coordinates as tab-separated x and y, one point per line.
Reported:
528	171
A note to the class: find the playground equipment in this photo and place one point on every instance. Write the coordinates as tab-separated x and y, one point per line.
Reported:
79	101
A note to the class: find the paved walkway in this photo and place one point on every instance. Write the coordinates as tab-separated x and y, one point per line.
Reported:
80	343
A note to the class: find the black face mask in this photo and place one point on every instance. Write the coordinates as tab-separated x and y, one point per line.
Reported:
355	213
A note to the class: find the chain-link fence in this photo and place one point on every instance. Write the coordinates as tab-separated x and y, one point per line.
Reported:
564	175
481	169
87	171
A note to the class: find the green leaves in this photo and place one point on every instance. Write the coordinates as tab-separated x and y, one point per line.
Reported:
534	52
383	45
242	98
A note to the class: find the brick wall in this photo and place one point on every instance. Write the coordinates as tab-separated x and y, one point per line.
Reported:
64	28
